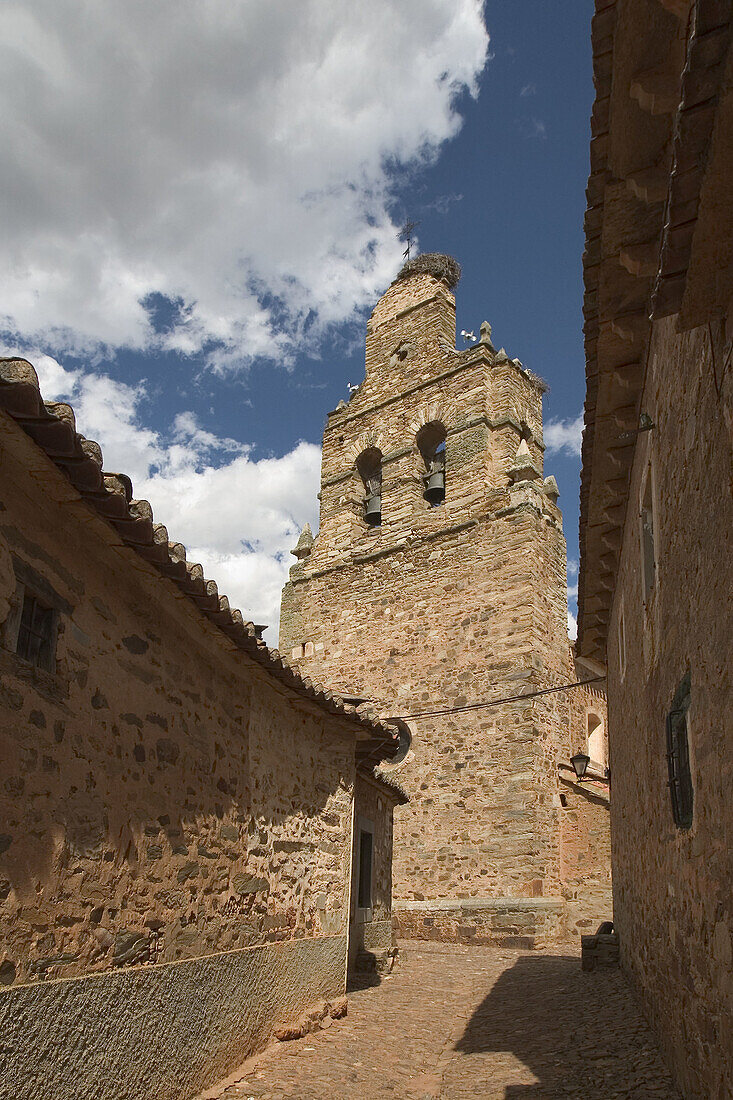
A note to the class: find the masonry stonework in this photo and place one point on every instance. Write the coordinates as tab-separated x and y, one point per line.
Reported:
371	938
656	517
175	823
672	897
441	607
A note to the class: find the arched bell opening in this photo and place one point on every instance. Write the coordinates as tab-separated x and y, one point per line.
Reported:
431	444
369	465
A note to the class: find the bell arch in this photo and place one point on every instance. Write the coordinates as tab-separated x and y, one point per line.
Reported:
430	440
369	466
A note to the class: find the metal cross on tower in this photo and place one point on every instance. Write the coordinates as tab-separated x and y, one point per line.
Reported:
405	235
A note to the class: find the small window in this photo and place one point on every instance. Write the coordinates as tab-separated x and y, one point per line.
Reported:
678	757
648	541
366	841
36	632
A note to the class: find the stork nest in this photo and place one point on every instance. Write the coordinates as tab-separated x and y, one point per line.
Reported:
441	267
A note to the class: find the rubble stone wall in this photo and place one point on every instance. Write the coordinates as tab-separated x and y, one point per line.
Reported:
162	798
672	887
442	607
585	854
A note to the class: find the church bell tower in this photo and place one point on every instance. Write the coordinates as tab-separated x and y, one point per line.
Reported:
437	582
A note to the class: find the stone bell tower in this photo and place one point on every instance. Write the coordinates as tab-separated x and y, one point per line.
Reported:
438	581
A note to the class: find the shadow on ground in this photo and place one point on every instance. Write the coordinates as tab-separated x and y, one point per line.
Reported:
580	1034
364	972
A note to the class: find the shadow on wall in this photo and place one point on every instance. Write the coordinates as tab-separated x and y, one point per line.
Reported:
579	1034
585	792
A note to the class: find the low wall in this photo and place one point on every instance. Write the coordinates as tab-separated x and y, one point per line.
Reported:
160	1032
518	922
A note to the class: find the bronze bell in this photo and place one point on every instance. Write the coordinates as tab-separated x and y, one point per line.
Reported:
435	485
373	508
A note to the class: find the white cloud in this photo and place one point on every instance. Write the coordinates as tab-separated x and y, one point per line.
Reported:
237	515
572	627
233	156
564	436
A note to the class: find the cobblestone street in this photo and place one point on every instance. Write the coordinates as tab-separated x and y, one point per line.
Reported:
456	1022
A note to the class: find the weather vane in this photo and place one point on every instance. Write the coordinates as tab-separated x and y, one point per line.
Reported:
405	235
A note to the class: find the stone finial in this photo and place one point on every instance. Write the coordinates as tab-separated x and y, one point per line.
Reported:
501	356
551	489
304	544
523	467
485	337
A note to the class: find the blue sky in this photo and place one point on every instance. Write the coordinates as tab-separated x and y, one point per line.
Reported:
201	218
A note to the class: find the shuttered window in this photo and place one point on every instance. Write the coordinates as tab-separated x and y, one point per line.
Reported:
36	633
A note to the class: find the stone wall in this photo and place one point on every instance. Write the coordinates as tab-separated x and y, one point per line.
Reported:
672	887
585	853
162	797
442	607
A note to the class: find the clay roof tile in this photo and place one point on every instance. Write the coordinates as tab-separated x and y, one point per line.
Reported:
52	427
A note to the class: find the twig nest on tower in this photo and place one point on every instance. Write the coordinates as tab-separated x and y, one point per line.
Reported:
440	266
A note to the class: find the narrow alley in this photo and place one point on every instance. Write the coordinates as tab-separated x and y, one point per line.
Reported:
456	1022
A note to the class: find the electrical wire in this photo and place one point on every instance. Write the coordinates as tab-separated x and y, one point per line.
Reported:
493	702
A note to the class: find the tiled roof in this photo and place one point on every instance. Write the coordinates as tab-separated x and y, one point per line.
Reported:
651	131
395	788
52	427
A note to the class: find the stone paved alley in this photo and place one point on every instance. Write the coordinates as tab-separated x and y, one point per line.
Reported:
458	1022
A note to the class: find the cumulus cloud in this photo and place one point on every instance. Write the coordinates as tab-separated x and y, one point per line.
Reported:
564	436
572	627
237	514
214	176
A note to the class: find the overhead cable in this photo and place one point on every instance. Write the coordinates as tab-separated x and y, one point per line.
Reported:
494	702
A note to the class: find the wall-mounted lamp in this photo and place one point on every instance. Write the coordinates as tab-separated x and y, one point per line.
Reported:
580	764
646	424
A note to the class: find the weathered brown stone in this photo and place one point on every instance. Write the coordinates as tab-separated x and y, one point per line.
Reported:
440	608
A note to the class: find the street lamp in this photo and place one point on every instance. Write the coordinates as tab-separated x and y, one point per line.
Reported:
580	764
